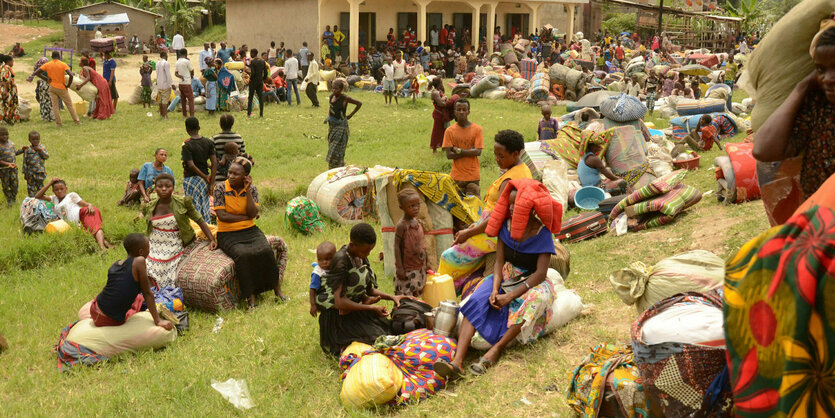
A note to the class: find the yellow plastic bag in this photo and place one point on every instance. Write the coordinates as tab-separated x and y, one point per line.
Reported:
373	380
199	232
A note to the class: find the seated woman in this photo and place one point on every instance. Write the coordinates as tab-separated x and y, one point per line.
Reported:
348	295
711	130
519	303
464	259
70	207
591	166
169	230
804	124
236	206
149	172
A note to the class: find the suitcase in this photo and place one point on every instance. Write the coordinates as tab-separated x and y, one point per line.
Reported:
583	226
606	205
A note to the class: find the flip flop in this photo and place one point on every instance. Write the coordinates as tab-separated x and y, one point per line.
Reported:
480	368
447	370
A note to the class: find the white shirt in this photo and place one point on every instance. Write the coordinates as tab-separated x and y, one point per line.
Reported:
98	34
433	37
303	56
177	42
206	53
291	68
68	208
399	69
313	76
388	69
184	69
164	79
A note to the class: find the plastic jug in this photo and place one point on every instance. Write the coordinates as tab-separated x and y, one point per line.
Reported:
438	288
57	227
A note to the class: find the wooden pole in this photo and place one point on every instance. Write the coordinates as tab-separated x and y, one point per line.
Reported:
660	16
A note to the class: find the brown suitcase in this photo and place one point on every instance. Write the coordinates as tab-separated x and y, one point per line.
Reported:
583	226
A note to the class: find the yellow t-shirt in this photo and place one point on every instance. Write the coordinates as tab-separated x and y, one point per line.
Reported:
234	202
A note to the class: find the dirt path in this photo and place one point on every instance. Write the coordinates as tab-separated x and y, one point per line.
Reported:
11	34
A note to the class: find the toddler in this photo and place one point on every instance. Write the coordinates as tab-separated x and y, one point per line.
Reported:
145	73
231	151
409	247
8	168
324	257
133	192
548	127
33	163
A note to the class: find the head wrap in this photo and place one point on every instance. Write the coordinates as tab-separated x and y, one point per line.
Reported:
38	63
245	163
825	25
531	195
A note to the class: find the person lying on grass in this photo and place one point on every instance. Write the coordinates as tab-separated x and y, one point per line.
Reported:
127	288
69	206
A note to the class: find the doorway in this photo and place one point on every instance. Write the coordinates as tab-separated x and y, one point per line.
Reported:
517	23
367	30
433	19
405	20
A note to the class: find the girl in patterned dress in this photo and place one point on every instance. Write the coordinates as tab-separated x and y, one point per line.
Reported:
42	92
9	112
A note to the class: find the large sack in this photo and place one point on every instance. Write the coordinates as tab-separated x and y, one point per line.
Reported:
24	108
555	179
372	380
623	108
88	92
327	75
557	73
495	94
137	333
487	83
644	286
135	96
347	199
687	107
519	83
773	68
540	87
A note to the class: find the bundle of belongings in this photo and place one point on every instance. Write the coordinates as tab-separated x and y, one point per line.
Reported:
397	370
657	203
607	383
35	215
736	174
207	278
346	194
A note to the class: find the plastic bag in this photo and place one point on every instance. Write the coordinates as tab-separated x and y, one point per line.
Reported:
234	391
555	179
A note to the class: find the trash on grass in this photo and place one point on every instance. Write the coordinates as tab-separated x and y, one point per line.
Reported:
234	391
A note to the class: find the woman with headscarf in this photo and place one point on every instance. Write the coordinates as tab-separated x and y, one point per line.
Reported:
42	92
225	84
211	86
9	103
516	305
104	105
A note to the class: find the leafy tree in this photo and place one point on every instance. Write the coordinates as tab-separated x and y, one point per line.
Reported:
620	22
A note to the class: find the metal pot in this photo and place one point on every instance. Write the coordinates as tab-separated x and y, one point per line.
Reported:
446	318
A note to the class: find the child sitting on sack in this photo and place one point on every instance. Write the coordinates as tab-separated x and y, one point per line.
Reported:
409	247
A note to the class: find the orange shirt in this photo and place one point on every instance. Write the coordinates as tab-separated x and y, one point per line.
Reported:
56	69
466	168
226	198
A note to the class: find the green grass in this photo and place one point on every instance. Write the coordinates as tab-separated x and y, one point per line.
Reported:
209	34
45	280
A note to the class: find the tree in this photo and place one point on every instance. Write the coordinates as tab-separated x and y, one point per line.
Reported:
178	14
749	10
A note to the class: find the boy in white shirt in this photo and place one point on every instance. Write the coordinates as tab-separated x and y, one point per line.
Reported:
389	85
185	72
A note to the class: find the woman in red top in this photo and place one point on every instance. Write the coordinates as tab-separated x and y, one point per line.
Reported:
104	104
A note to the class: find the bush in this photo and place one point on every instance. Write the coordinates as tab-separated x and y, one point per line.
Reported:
620	22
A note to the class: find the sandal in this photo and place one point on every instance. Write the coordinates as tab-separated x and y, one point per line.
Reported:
447	370
480	368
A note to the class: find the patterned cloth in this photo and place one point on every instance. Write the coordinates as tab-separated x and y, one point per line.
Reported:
440	189
166	250
571	143
34	170
657	203
145	97
8	175
812	137
412	285
72	354
9	112
337	142
45	102
35	215
607	367
779	323
197	188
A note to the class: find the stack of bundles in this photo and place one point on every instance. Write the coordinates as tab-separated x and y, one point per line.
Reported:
607	383
736	174
540	87
508	54
643	286
573	80
527	68
208	280
688	107
623	108
396	372
327	77
346	194
679	348
626	155
571	142
657	203
482	85
636	65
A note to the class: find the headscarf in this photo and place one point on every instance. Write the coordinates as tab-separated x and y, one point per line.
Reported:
245	163
38	63
226	80
531	195
825	25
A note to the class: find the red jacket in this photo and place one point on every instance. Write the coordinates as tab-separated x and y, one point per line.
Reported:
531	195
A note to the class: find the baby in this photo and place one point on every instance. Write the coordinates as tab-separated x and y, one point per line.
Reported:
231	151
132	192
409	247
324	257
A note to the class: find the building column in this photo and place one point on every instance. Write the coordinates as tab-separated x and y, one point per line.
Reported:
476	23
571	22
421	20
534	22
491	27
354	27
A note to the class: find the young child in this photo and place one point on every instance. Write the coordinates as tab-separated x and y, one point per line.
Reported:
145	74
652	88
133	191
34	170
547	127
198	175
324	257
463	143
231	151
389	85
414	88
127	288
409	247
8	167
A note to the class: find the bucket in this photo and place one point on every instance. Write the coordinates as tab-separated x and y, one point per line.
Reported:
689	164
589	197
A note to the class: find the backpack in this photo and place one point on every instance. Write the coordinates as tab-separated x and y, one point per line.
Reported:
409	316
303	214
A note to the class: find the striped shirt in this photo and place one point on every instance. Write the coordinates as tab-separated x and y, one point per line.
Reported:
220	141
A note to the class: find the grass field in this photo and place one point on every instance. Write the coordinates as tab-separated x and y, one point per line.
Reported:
45	279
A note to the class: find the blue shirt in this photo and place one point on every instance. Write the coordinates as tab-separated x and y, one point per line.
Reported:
588	176
328	35
197	86
225	54
107	68
316	277
148	173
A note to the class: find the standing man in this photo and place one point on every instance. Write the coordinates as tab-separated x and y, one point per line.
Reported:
185	72
338	38
304	61
224	53
444	34
164	84
312	79
433	37
256	82
291	71
109	73
53	73
178	42
205	53
327	36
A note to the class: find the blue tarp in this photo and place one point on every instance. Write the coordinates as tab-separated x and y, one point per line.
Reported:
91	22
